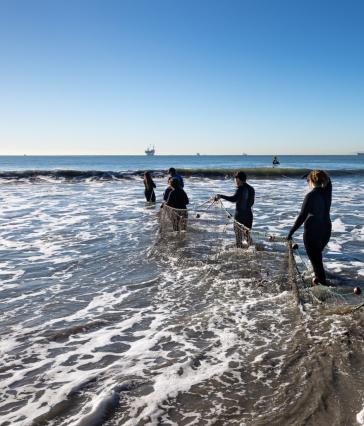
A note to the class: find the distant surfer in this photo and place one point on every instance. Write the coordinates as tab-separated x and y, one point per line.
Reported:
173	174
149	186
275	161
178	200
315	214
244	198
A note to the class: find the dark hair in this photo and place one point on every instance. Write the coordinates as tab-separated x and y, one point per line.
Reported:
171	171
241	175
148	179
175	183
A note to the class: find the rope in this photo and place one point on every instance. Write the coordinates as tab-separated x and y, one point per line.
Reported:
210	200
291	263
356	307
271	237
174	209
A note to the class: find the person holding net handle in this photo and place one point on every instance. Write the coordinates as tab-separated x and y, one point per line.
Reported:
244	198
315	215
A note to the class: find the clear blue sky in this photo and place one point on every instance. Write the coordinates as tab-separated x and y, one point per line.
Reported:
217	77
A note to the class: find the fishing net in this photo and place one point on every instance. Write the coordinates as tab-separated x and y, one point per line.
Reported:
208	235
171	219
196	235
337	298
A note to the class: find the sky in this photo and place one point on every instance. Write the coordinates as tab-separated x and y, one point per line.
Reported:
215	77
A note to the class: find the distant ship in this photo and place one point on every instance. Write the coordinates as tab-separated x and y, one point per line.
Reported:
198	154
150	151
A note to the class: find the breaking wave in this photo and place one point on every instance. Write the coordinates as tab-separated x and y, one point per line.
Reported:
34	176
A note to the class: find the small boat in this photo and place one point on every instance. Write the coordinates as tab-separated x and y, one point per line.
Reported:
361	154
150	151
198	154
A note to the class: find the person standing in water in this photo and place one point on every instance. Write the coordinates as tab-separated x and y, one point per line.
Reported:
315	214
244	198
178	200
173	174
149	186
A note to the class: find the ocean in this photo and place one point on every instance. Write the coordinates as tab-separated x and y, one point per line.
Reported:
104	321
163	162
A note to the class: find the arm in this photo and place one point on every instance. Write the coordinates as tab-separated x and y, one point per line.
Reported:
301	217
166	194
251	197
232	199
153	184
187	200
170	199
328	193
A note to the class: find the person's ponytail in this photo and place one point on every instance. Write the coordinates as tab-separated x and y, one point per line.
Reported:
319	178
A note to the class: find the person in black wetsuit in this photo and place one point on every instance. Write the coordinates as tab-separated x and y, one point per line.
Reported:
178	199
149	186
244	199
315	214
275	161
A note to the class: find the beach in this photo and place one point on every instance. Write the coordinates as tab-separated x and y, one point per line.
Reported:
105	322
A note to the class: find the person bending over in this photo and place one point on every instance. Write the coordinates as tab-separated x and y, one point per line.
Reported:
149	186
244	199
315	214
178	200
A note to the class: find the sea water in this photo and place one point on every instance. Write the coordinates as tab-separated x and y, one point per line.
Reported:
163	162
103	323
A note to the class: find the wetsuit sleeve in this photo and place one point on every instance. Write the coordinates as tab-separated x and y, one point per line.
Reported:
233	198
328	193
302	216
182	183
251	197
170	199
166	194
187	200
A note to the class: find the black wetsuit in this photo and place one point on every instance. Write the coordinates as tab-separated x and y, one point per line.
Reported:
178	199
149	192
167	192
315	214
244	199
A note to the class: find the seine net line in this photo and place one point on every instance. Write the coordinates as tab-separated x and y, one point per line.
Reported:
208	234
196	235
339	299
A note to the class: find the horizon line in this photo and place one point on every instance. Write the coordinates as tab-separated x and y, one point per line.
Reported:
178	155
